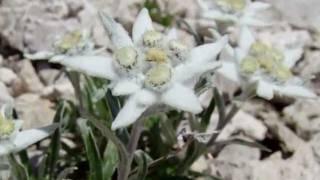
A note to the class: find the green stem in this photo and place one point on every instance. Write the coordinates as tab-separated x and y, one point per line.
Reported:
125	168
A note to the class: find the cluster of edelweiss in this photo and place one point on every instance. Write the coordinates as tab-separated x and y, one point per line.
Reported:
155	68
12	139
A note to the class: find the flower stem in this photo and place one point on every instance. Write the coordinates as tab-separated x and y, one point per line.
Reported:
125	168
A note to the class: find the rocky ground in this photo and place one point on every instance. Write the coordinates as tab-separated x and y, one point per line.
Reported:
290	130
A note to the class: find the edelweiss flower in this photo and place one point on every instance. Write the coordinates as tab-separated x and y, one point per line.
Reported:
72	43
238	12
268	67
150	68
12	139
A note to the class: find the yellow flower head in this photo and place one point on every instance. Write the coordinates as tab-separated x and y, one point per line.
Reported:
127	57
152	38
156	55
266	58
234	5
281	72
249	65
6	127
158	76
69	41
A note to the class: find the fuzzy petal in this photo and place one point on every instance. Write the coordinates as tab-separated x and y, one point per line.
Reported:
42	55
265	89
118	35
217	15
183	98
257	6
98	66
240	54
187	72
228	52
292	56
246	39
125	87
207	52
26	138
296	91
142	24
202	59
29	137
229	70
172	34
133	109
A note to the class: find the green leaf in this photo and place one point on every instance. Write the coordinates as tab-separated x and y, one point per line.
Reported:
25	161
221	108
98	107
48	165
110	159
18	170
142	159
168	130
194	151
113	104
242	142
63	175
108	134
93	155
206	115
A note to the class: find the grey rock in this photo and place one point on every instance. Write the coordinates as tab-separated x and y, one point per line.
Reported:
241	122
310	69
286	136
34	110
32	25
300	13
29	76
7	76
304	116
1	60
62	90
49	76
283	36
5	97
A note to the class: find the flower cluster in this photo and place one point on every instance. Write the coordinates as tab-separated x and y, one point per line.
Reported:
151	68
154	68
236	12
72	43
255	62
12	139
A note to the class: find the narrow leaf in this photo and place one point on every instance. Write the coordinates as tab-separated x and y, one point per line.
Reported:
142	160
18	170
110	160
94	158
242	142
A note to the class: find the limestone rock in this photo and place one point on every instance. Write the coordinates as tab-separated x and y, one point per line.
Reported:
7	76
34	110
234	162
242	122
58	85
285	37
299	13
29	77
290	140
5	97
32	25
310	68
304	116
49	76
